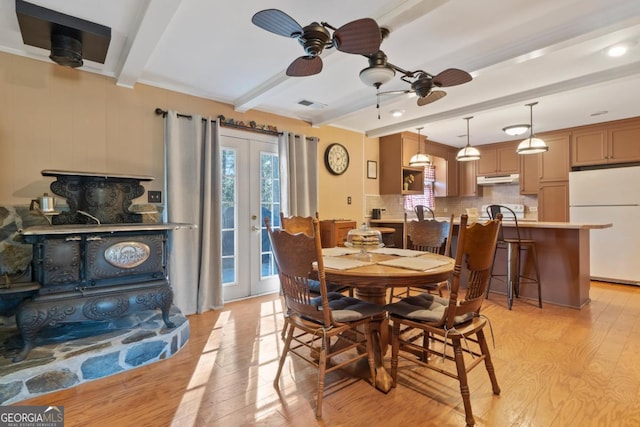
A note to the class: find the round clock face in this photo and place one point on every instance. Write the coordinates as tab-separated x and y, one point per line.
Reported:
336	158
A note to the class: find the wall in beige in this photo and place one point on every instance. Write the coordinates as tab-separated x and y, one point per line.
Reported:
52	117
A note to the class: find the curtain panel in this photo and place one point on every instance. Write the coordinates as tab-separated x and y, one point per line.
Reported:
192	195
299	174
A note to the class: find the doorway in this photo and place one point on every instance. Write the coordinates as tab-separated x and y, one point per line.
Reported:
250	192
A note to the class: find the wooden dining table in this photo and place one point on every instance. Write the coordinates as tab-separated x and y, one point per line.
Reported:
371	282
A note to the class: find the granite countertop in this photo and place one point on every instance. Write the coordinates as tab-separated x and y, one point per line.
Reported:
522	224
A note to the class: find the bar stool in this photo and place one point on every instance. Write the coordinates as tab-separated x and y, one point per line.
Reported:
514	247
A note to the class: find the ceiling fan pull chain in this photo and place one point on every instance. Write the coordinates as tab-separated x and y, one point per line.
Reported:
378	103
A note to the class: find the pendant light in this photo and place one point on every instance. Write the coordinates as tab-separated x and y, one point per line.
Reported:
419	159
468	153
532	145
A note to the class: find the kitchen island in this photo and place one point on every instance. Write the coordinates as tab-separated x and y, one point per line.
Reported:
563	255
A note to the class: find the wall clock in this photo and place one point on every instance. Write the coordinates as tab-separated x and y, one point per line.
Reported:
336	158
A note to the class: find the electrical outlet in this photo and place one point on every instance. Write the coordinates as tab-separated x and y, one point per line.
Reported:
348	200
446	210
154	197
533	208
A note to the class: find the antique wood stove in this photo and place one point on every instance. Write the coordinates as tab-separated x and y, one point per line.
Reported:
97	261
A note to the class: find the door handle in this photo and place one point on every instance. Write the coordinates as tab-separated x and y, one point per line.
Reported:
254	228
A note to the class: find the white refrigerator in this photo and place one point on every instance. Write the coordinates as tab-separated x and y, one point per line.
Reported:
610	196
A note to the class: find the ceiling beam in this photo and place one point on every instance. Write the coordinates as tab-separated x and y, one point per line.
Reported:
624	71
153	23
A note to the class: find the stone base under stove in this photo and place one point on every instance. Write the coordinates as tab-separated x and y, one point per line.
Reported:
74	353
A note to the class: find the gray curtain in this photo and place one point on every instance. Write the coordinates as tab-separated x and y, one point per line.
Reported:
192	195
299	174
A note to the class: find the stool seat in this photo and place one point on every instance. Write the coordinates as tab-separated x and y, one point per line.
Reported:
515	247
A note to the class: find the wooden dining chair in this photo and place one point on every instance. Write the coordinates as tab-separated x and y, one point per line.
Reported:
313	319
453	323
427	236
297	224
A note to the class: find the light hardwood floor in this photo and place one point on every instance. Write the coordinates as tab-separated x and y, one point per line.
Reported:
556	367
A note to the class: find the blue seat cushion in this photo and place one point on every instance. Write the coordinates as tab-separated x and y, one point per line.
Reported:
314	287
347	309
424	307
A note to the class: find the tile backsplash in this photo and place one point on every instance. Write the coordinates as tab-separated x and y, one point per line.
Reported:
445	206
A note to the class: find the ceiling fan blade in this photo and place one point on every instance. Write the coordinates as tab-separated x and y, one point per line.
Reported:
451	77
277	22
431	97
305	66
360	37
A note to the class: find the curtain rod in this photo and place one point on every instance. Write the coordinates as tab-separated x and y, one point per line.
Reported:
160	112
163	113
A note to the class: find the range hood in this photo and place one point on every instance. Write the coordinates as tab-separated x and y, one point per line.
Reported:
512	178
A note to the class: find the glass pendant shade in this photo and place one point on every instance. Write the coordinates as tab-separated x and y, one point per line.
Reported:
532	145
468	153
377	75
419	159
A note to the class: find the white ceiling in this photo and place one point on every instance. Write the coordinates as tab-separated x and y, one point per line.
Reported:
518	51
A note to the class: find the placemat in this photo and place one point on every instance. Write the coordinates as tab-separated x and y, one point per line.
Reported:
413	263
338	263
397	251
338	251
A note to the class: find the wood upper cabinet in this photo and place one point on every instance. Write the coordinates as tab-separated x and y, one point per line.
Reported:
444	159
616	142
554	164
529	174
467	182
498	159
395	152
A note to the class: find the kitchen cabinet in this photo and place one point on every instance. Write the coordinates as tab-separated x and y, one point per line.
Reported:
395	152
554	164
553	201
530	174
333	232
554	167
617	142
498	159
443	158
467	179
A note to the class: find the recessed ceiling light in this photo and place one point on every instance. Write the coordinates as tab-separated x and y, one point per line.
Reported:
617	50
397	113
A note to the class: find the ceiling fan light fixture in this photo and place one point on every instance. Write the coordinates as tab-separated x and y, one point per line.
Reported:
377	75
532	145
515	130
419	159
468	153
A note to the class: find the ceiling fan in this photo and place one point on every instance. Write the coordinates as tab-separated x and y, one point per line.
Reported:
421	82
360	37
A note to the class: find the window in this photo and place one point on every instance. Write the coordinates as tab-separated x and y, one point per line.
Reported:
427	197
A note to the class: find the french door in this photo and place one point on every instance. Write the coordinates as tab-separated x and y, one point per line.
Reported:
250	192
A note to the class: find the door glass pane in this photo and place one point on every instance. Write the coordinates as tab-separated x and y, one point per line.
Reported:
229	220
270	206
